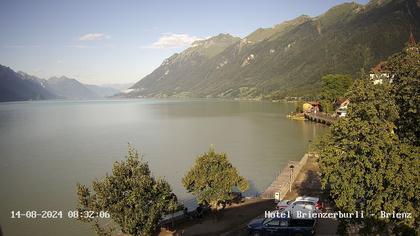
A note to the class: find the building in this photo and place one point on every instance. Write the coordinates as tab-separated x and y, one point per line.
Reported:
311	107
341	105
379	73
411	41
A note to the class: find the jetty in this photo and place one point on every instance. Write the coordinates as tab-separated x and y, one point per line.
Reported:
284	180
320	117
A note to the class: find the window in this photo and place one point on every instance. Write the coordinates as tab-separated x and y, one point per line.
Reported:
273	222
284	223
302	223
303	203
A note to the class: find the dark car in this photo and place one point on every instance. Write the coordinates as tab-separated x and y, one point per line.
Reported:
282	226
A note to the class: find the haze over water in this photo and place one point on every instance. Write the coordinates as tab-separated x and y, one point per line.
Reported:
47	147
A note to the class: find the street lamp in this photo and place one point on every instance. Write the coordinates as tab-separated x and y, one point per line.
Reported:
291	174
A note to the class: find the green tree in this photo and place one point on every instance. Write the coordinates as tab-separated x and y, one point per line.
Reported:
404	68
327	106
364	166
213	178
334	86
134	199
299	106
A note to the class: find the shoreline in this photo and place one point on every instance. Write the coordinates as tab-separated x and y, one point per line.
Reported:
123	99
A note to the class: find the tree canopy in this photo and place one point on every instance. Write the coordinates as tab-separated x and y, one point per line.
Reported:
135	200
335	86
213	178
365	165
404	68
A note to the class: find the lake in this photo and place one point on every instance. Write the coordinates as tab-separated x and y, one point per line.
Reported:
47	147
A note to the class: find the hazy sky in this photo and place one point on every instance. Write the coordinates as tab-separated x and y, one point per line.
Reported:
120	41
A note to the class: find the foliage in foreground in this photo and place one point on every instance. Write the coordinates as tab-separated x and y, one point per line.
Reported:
405	68
135	200
213	178
369	160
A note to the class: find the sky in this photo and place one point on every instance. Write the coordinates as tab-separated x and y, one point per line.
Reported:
121	41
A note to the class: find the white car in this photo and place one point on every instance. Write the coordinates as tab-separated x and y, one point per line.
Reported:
283	204
301	204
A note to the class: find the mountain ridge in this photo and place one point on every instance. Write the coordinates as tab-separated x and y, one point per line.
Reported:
290	58
15	87
20	86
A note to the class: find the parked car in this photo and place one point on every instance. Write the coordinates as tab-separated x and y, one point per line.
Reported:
301	204
282	226
281	205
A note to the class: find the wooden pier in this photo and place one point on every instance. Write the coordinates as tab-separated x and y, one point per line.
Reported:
285	179
320	117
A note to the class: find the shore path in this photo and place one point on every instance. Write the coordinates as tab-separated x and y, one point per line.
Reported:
234	219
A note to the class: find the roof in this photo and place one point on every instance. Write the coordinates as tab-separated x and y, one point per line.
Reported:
314	103
379	68
411	40
342	102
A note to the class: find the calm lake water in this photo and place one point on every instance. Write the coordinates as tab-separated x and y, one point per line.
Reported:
47	147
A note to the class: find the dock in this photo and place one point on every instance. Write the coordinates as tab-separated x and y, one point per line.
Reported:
281	184
320	117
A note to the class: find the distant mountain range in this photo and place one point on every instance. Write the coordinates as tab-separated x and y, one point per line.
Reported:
288	59
15	87
19	86
119	87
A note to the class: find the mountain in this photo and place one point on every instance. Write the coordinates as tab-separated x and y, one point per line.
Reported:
119	87
20	86
288	59
72	89
184	69
102	91
69	88
16	87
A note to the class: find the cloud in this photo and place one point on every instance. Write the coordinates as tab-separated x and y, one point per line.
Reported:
93	37
169	40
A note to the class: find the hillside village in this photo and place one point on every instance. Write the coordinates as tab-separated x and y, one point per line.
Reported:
313	110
